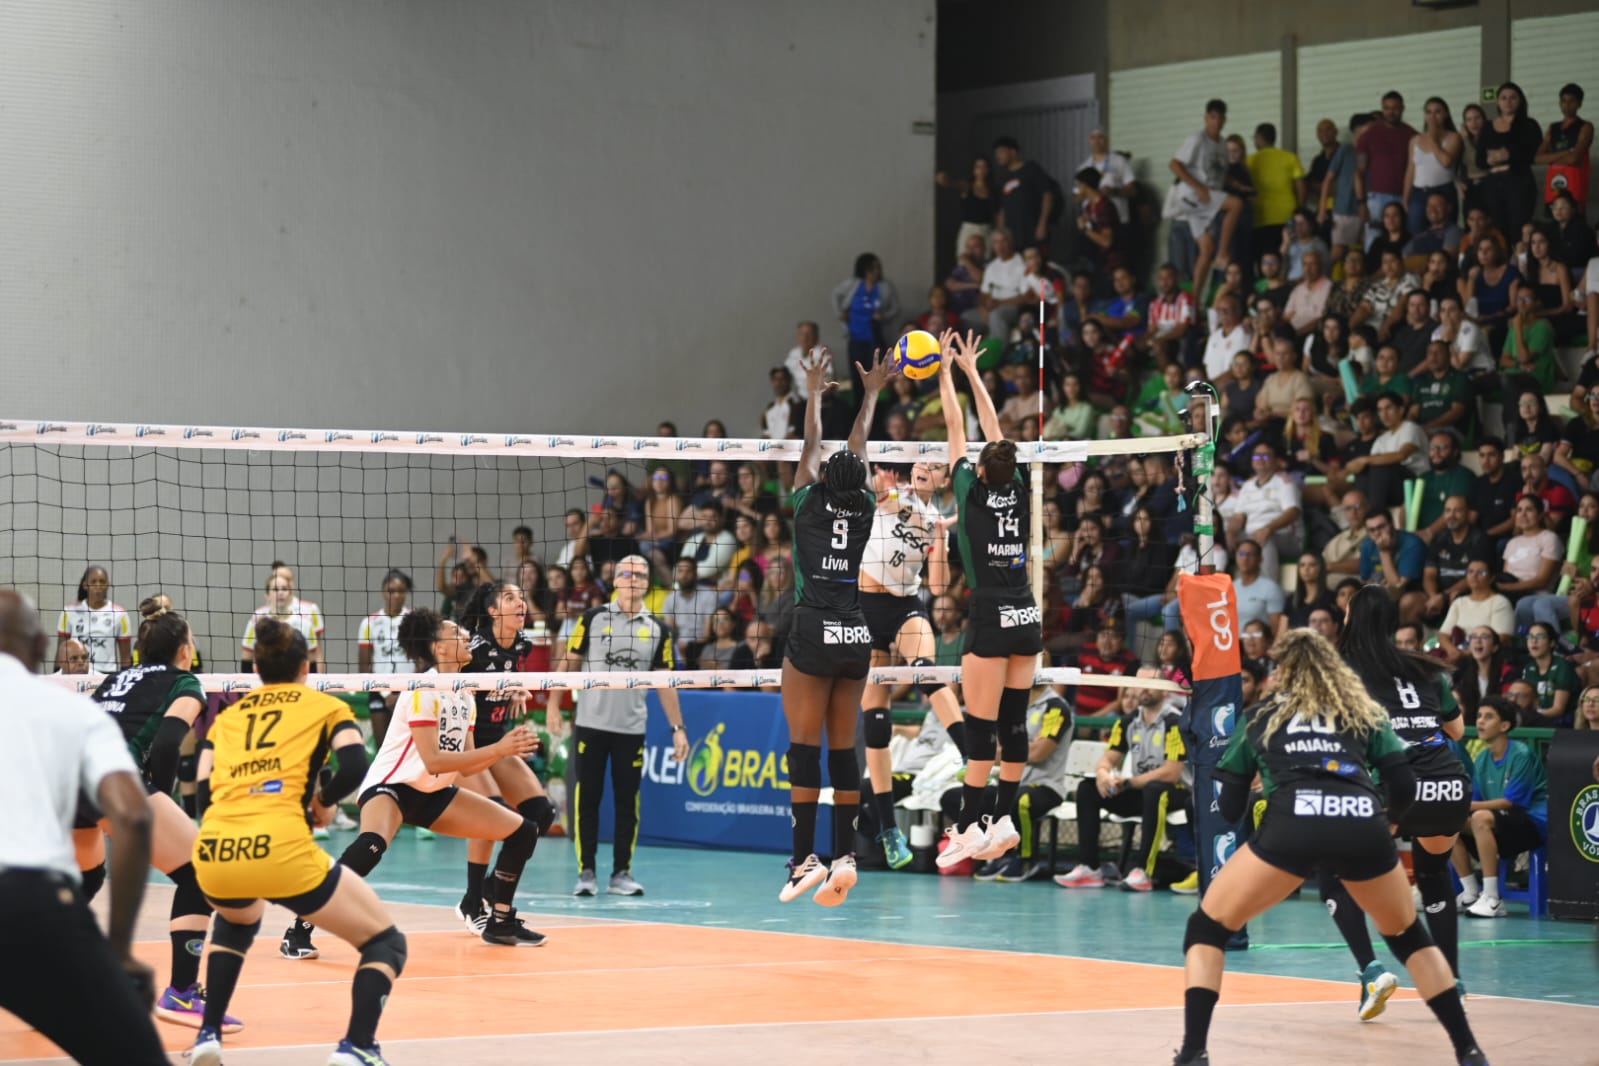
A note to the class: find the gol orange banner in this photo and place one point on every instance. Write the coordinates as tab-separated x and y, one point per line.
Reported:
1210	617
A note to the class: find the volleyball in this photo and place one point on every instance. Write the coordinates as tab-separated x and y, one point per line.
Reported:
918	354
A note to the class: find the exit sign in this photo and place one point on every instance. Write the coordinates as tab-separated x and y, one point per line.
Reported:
1490	93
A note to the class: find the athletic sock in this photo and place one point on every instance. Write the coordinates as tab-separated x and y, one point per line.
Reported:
845	819
803	818
1438	903
368	992
191	804
187	944
1470	885
473	900
883	804
957	736
1452	1014
1005	797
1198	1005
1350	920
1490	887
971	806
221	978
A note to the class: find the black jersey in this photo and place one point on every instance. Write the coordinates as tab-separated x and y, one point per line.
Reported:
138	698
1305	750
1417	714
829	540
993	530
490	657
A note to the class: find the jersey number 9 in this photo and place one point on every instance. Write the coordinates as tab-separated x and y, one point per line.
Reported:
840	533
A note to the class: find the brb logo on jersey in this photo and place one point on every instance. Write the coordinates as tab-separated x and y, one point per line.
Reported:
839	633
1011	617
1313	804
1585	823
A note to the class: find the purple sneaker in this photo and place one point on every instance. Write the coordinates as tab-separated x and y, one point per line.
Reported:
187	1007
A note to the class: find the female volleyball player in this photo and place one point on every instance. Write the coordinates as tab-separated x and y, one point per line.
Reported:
908	533
254	843
829	647
1314	744
155	704
96	623
284	606
1004	638
494	617
1406	685
377	645
412	781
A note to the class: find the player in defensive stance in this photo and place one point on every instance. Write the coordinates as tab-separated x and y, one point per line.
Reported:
412	782
907	533
1005	637
1314	744
254	843
829	648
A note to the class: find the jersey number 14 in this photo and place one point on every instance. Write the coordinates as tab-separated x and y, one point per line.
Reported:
1009	525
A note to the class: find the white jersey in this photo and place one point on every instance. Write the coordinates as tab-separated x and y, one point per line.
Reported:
304	617
98	630
902	537
382	634
397	762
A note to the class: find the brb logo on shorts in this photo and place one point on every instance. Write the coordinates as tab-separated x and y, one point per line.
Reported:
839	633
1011	617
1449	790
1585	823
1318	805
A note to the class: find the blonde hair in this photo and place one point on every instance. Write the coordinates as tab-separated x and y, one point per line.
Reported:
1581	722
1314	681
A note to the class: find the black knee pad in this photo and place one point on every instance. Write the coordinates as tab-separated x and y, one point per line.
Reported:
387	948
1409	942
518	847
982	738
843	770
188	768
1432	874
538	810
927	688
364	853
501	801
236	938
93	881
1013	725
804	766
1205	930
187	898
878	728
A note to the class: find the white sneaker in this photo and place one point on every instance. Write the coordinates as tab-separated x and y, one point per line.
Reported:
999	837
1487	906
962	845
1138	881
803	878
1081	876
343	821
840	879
1465	899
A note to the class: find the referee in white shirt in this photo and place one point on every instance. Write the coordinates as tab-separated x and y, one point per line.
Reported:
63	973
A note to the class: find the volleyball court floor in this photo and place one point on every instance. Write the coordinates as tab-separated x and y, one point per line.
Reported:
709	968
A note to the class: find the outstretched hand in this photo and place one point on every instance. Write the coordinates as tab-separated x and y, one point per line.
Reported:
876	378
817	363
964	351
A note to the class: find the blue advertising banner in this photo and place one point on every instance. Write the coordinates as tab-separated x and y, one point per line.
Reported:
733	790
1207	728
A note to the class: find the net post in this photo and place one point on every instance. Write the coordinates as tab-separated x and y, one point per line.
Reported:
1204	465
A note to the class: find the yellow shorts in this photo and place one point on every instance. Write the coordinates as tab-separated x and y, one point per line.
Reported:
258	860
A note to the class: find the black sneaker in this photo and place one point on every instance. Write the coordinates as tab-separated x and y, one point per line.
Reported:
991	869
507	930
1197	1058
297	942
1474	1057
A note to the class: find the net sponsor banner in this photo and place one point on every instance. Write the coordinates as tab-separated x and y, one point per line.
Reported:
434	442
1573	825
1210	617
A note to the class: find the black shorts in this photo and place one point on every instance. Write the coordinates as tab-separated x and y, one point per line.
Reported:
416	807
1441	807
1002	625
887	614
486	732
829	643
303	904
1350	847
1515	831
88	815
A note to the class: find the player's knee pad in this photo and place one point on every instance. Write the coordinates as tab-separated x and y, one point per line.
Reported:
188	768
843	770
927	688
538	810
982	737
518	847
502	802
804	766
93	881
187	898
387	949
1206	931
364	853
1412	940
236	938
1013	707
878	727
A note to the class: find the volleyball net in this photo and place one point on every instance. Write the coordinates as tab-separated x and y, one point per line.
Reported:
203	515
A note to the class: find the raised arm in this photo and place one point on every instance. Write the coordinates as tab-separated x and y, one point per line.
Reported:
954	418
873	380
815	363
966	352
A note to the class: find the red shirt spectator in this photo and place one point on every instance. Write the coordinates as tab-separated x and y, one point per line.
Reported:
1108	656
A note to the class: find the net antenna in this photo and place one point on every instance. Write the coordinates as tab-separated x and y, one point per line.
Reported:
1204	416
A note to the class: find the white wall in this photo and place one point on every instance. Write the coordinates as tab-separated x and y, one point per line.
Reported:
567	215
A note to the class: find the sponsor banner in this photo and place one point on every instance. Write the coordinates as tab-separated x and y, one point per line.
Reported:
1573	844
1210	617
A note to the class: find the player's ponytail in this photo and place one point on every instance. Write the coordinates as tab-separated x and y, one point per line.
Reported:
998	460
418	631
161	636
475	615
280	651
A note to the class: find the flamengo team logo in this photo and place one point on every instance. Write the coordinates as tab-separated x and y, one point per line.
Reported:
1011	617
1585	823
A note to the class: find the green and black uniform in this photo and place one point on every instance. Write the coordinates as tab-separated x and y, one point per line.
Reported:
992	535
138	698
1322	806
829	636
1443	785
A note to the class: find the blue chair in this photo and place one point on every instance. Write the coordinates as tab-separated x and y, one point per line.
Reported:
1536	895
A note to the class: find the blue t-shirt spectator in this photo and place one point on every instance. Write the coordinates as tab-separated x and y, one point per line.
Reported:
1410	556
1259	600
1342	167
863	312
1518	777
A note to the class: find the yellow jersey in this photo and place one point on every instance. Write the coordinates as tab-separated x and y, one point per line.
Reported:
268	749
